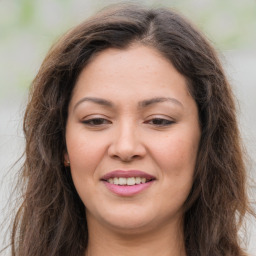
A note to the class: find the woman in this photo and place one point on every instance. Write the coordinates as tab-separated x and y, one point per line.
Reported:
132	145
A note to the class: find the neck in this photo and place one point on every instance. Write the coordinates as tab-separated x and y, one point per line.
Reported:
165	241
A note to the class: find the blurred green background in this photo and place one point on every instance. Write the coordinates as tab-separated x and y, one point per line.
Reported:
29	27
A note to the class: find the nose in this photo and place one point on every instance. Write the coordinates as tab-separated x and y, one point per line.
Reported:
126	144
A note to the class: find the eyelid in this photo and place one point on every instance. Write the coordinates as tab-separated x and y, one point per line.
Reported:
160	116
166	120
93	118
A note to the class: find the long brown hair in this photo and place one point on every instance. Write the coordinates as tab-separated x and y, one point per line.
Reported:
51	219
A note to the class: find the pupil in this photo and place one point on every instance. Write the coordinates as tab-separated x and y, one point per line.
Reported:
98	121
158	121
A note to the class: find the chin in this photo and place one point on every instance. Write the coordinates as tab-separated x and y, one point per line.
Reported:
128	222
131	227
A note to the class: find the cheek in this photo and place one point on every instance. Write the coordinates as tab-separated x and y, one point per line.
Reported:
176	156
84	152
176	153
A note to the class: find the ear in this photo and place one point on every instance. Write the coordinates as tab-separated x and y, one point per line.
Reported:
66	159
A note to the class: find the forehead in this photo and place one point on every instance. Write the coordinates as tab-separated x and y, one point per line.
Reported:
135	72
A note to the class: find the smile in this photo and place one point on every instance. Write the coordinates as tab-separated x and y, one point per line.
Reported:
128	181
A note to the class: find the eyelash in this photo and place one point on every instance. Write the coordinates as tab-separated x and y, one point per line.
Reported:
163	122
159	122
95	122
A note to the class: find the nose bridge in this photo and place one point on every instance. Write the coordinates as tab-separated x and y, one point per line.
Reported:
126	143
127	135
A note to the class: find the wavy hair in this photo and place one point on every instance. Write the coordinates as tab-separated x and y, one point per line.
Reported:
51	220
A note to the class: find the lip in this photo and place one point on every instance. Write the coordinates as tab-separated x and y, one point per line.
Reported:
127	174
128	190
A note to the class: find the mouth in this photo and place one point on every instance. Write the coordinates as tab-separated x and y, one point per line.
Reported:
127	178
131	181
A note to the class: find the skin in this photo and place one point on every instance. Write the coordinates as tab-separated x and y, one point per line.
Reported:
160	138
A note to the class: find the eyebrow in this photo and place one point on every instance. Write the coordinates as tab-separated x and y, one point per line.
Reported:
149	102
99	101
141	104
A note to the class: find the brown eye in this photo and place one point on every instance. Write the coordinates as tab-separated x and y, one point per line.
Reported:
160	122
96	122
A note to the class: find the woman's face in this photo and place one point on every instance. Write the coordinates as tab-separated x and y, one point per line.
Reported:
132	139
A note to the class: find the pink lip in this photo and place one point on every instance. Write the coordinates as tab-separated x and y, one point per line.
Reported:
125	190
127	174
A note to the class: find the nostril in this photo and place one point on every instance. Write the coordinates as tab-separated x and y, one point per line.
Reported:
126	151
126	158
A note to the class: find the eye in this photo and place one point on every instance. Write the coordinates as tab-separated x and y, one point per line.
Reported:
160	122
96	122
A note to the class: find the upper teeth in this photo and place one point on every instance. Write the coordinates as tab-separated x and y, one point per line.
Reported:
127	181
